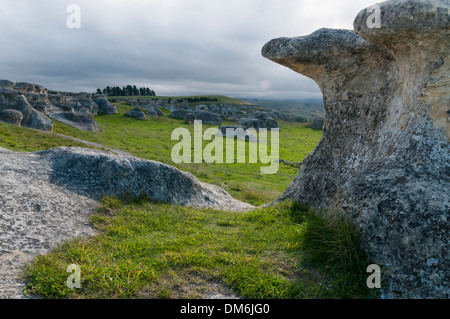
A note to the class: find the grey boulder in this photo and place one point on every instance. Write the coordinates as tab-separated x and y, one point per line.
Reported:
251	123
154	112
318	123
104	106
179	113
10	116
190	118
137	113
208	118
31	118
268	121
236	131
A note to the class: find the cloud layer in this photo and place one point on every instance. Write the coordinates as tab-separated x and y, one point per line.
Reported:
176	47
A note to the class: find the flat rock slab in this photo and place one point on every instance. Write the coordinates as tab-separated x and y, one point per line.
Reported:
35	216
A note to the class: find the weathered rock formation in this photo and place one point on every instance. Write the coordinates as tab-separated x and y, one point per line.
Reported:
179	113
268	121
384	159
104	106
137	113
39	105
155	112
236	131
13	117
247	123
208	118
189	116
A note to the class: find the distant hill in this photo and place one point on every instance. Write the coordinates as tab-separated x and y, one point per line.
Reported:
304	108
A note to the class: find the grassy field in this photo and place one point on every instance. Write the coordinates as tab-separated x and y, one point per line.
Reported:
27	140
152	140
149	250
154	250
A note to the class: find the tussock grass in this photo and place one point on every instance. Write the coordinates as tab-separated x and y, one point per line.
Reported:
332	246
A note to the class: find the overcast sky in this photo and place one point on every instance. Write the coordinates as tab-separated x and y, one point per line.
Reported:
175	47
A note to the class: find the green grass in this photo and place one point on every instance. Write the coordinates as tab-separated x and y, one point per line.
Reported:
152	140
151	250
27	140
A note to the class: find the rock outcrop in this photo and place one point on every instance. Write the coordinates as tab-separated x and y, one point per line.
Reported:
208	118
137	113
247	123
39	105
179	113
236	131
189	116
155	112
32	118
47	197
258	121
104	106
13	117
384	159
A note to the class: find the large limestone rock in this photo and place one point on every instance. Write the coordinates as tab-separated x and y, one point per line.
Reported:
155	112
12	117
269	122
104	106
247	123
190	116
208	118
384	159
137	113
74	109
180	113
239	132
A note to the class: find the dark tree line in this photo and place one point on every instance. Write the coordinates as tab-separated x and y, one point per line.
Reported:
198	99
129	90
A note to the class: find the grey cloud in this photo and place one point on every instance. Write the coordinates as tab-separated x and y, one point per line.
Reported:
177	47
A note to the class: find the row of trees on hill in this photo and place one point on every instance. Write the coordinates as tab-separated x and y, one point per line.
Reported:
129	90
197	99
